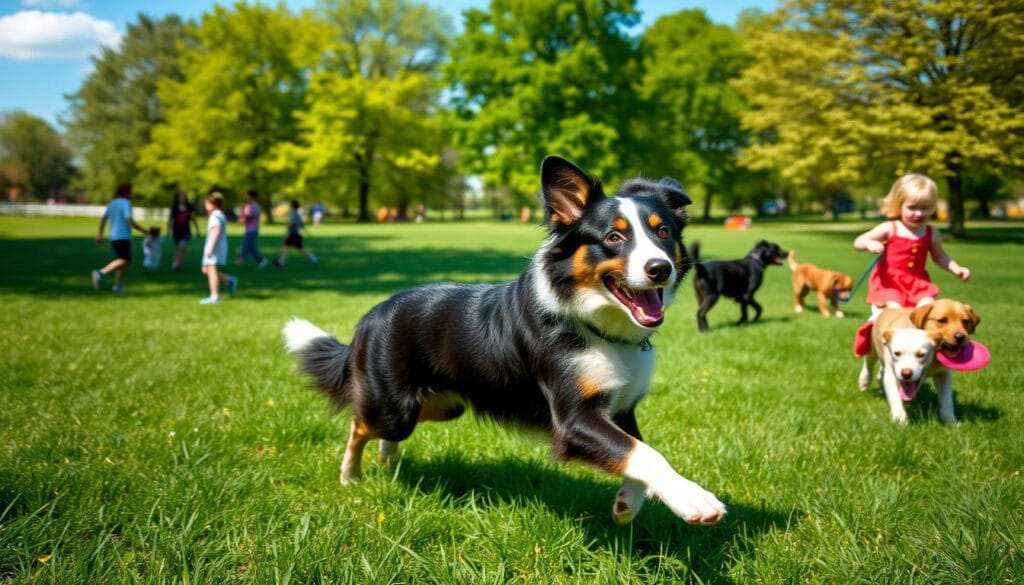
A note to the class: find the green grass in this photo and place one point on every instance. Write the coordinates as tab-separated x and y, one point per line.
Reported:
144	438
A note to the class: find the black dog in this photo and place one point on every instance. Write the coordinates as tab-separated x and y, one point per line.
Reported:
736	279
564	348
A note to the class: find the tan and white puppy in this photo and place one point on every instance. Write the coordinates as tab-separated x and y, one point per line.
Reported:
905	354
947	323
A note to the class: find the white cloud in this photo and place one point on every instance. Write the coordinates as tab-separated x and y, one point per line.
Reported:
51	3
31	34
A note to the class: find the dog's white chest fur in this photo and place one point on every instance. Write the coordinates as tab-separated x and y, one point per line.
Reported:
621	371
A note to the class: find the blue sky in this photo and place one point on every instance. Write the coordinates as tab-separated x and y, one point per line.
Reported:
45	44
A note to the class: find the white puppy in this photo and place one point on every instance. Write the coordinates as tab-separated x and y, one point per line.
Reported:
906	354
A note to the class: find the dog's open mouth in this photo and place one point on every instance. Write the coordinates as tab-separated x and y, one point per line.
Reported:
951	350
647	306
908	389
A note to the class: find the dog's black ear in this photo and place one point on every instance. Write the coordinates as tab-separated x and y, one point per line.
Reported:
566	191
675	197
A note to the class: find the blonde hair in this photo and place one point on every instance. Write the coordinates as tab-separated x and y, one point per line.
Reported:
914	188
216	199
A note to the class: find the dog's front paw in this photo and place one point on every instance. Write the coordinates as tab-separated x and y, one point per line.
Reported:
693	503
798	308
899	418
840	314
628	501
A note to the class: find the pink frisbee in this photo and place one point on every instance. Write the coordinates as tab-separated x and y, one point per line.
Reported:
973	356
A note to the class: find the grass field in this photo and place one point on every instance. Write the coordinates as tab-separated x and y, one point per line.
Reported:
147	439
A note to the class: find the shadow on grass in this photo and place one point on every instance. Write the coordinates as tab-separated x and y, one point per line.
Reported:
925	406
737	325
655	534
61	267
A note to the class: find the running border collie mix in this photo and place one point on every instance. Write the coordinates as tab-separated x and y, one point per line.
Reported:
564	348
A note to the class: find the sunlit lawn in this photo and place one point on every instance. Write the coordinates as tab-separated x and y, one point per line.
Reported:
146	438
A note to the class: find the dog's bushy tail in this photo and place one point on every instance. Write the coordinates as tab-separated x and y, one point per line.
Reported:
792	259
322	357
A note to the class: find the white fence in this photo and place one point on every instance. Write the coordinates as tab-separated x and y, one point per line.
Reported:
72	210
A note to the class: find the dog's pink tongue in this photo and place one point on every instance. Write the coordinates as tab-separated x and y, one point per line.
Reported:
649	308
908	390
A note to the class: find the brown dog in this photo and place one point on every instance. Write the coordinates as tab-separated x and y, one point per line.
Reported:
830	286
948	323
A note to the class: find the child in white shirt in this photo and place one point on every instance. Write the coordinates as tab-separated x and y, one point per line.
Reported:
151	247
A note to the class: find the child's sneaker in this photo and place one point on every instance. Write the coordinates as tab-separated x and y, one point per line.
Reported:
262	264
278	263
209	300
232	285
117	289
97	279
314	259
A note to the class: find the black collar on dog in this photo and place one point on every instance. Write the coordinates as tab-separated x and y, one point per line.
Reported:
756	260
644	344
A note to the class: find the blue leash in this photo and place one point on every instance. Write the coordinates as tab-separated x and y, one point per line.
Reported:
860	281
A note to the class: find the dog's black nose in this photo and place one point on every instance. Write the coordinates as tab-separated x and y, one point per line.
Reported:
658	269
960	338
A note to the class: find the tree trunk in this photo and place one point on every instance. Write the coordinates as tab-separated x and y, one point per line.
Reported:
266	205
364	197
955	183
707	205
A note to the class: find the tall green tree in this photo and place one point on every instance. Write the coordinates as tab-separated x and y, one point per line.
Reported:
849	90
112	115
370	123
33	158
692	124
541	77
242	82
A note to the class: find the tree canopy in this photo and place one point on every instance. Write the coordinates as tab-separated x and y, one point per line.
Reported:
533	78
692	121
112	115
33	158
242	83
850	91
370	118
375	102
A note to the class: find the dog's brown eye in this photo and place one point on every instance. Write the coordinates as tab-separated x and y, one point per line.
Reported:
614	238
897	353
942	320
662	232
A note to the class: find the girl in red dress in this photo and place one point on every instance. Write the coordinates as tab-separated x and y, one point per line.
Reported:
900	278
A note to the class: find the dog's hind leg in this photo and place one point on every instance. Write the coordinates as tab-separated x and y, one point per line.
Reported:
706	303
352	461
